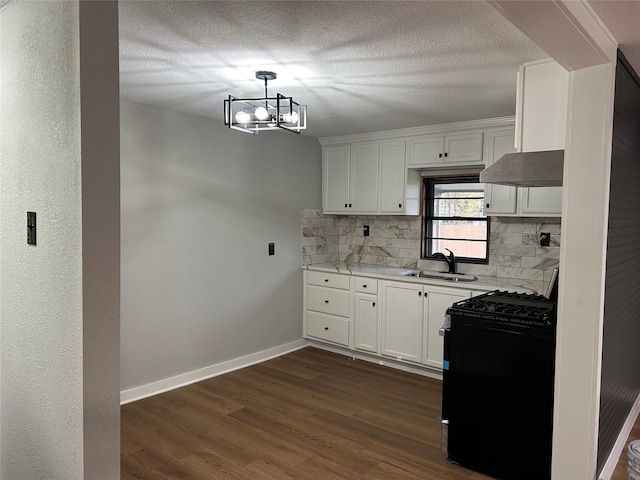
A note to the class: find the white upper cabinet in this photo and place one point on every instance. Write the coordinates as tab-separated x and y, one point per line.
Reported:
499	199
368	178
348	173
336	166
424	151
541	106
392	177
364	175
541	118
378	173
444	150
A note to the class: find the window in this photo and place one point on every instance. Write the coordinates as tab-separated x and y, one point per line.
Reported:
454	218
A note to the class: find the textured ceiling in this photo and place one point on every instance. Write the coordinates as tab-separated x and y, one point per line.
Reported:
359	66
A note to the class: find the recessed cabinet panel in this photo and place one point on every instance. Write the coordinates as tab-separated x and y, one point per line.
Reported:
366	322
424	151
544	106
437	302
541	200
464	148
335	178
499	199
392	177
364	178
366	285
328	300
402	321
324	279
326	327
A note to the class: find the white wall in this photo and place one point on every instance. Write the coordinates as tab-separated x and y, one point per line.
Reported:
52	426
582	263
200	203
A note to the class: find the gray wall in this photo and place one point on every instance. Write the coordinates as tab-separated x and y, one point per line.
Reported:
59	310
620	385
200	203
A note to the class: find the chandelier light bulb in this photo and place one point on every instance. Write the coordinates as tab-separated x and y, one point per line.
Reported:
261	113
243	117
290	117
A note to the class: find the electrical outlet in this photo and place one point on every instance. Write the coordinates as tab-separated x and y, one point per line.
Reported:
365	230
545	239
272	249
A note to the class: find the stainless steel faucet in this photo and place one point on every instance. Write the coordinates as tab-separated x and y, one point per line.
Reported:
451	259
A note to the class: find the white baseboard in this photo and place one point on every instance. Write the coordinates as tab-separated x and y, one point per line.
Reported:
171	383
405	367
621	442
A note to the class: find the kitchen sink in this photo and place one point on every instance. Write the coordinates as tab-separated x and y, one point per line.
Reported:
447	277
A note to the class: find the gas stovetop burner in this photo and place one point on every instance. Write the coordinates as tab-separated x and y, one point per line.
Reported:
508	307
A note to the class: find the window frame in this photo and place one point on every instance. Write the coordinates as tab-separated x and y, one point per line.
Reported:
427	211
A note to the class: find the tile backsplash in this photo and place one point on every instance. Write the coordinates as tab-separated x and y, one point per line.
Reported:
514	250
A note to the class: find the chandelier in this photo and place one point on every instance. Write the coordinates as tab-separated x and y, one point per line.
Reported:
253	115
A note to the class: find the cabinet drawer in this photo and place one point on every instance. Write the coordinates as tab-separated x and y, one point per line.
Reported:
326	327
328	300
366	285
334	280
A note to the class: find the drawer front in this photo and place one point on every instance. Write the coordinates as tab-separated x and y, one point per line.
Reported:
328	300
367	285
333	280
326	327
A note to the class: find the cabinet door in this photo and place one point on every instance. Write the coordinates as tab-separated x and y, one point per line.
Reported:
364	178
425	151
540	201
464	148
335	178
366	322
392	177
437	301
402	321
499	199
543	104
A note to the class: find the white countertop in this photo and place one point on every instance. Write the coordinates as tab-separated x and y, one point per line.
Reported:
400	274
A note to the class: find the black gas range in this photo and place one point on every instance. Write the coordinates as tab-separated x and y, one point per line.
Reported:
508	307
498	375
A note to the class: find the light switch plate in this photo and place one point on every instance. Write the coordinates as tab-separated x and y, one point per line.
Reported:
31	228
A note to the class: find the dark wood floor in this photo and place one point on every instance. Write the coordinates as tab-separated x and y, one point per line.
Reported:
307	415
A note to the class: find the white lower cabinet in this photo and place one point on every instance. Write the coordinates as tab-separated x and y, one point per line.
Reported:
411	319
327	307
365	315
366	322
437	300
328	327
393	319
402	321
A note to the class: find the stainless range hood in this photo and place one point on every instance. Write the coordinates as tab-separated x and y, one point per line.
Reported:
526	169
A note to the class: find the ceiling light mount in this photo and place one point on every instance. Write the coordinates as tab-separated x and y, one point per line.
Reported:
252	115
